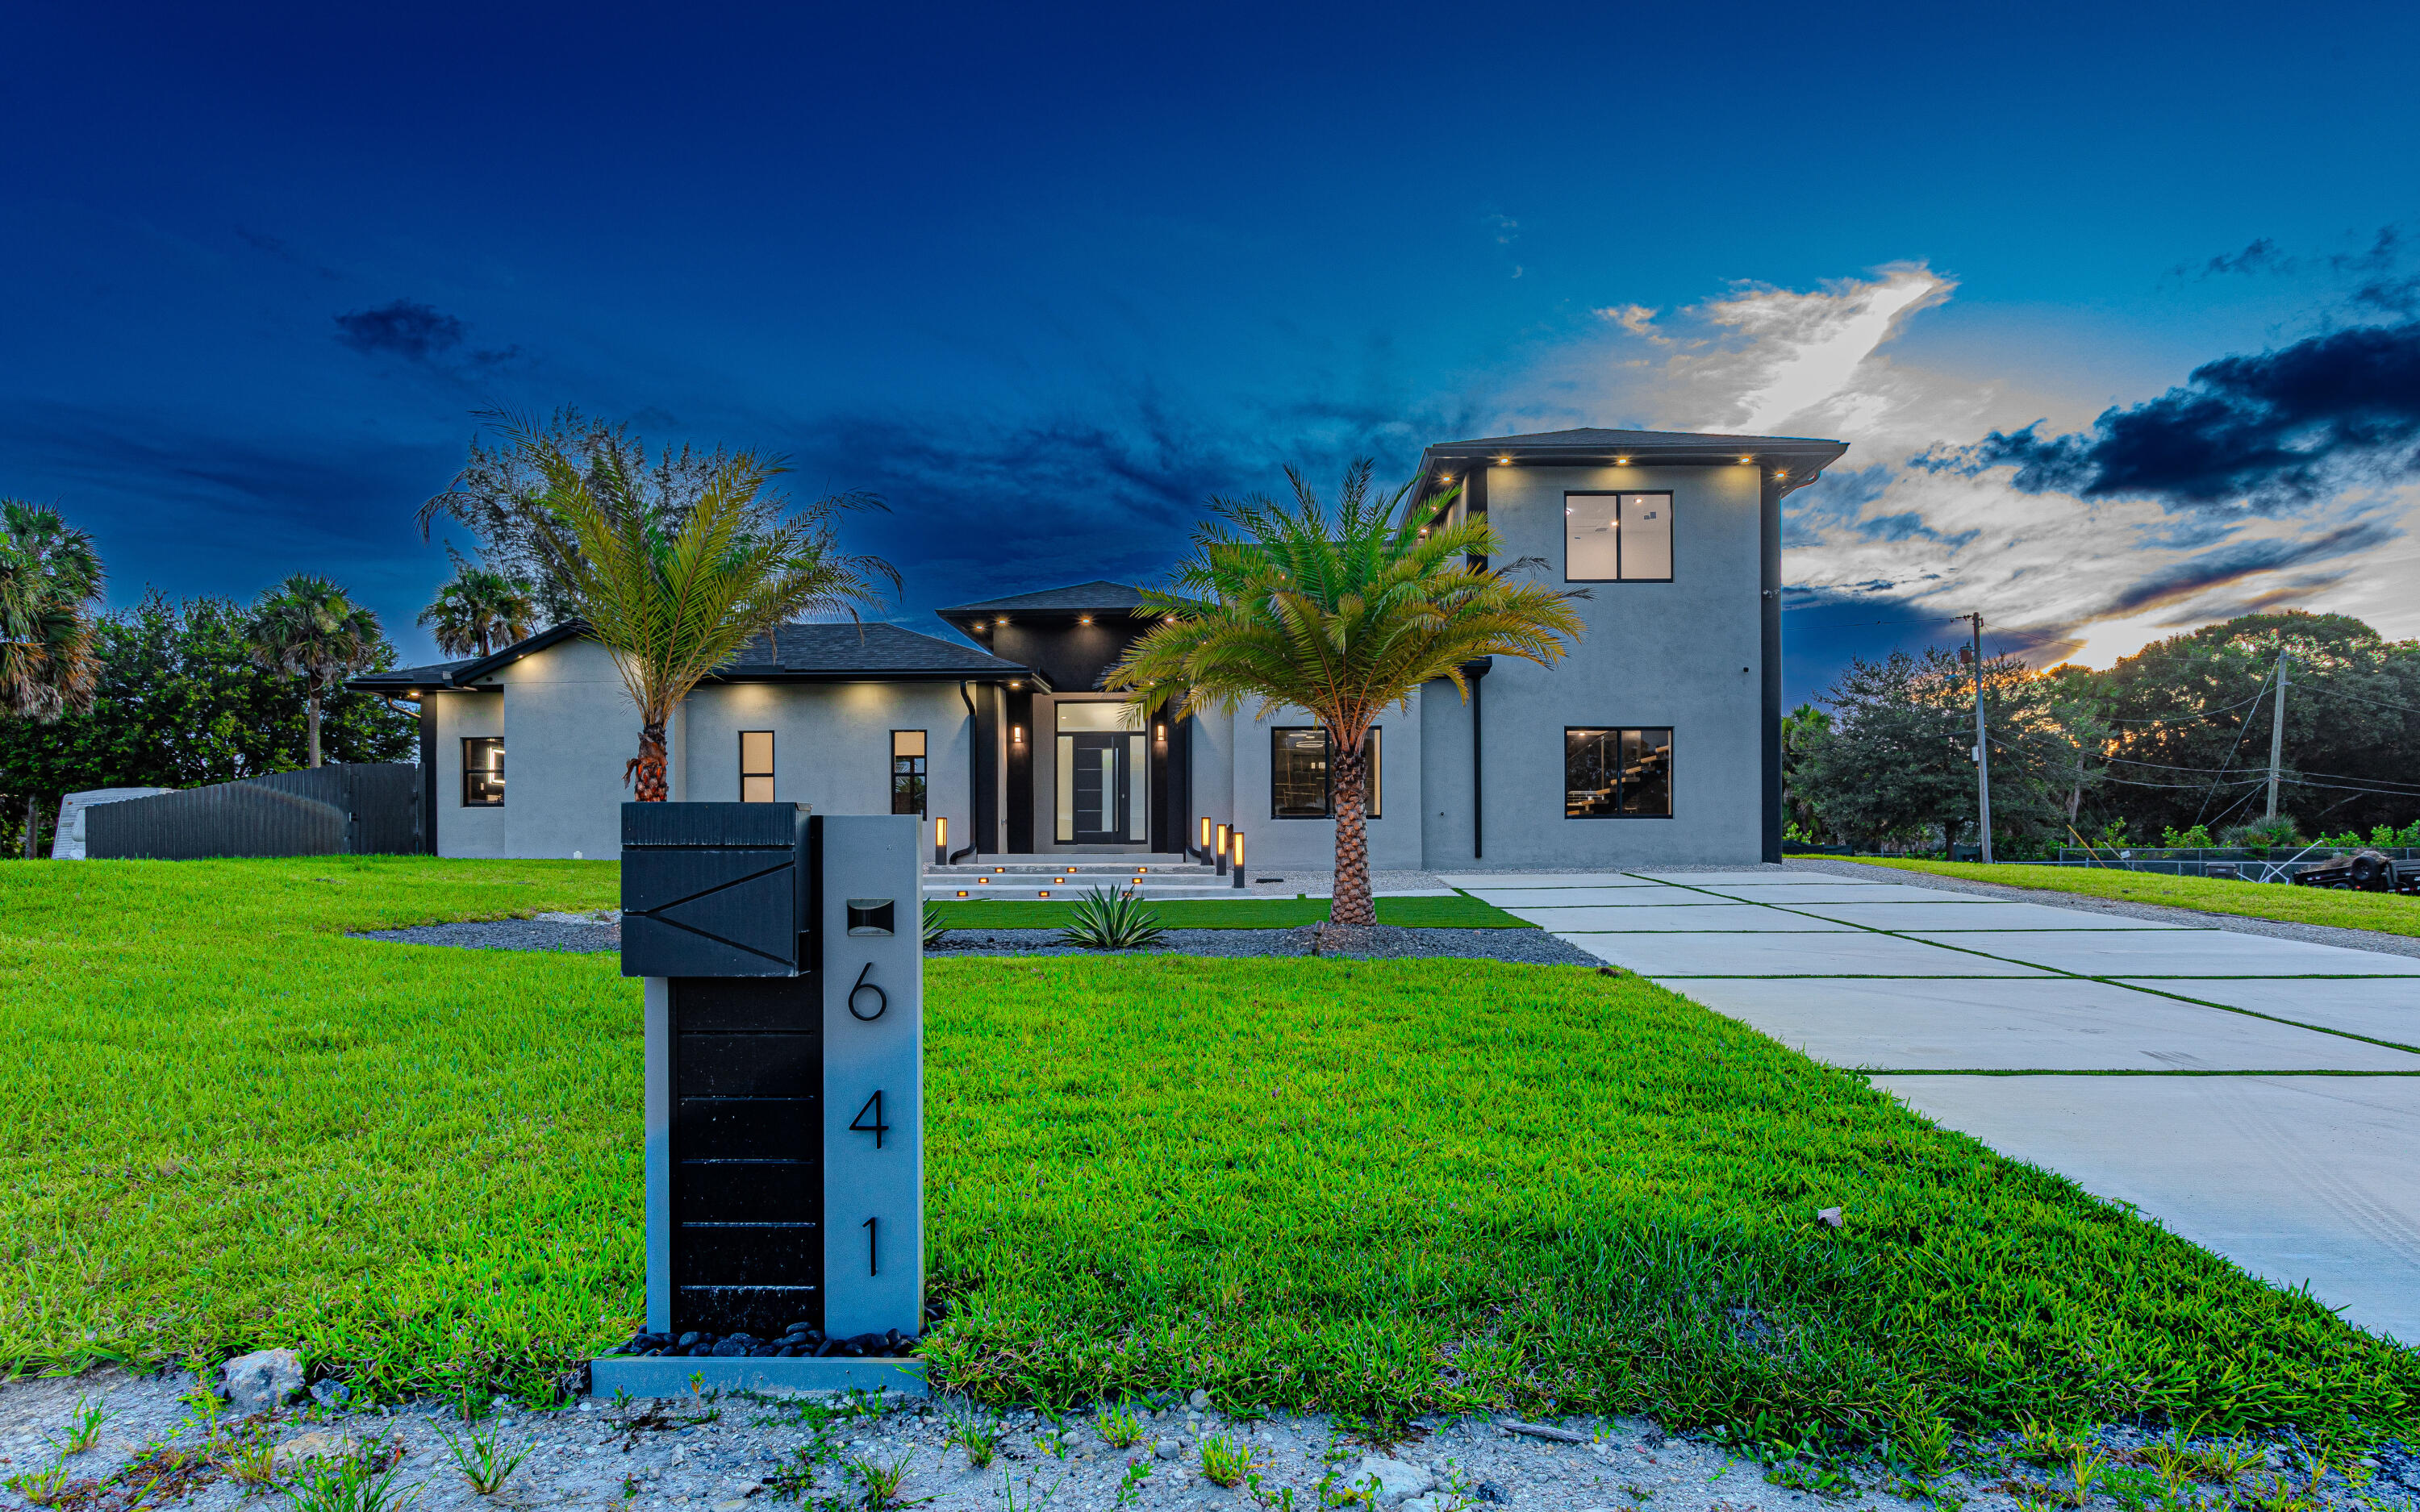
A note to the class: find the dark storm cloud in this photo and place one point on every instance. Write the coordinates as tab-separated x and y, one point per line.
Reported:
2245	559
406	328
2273	430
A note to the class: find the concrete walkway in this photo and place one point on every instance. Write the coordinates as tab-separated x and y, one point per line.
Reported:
2259	1096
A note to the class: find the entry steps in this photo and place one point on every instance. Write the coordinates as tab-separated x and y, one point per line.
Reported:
1023	879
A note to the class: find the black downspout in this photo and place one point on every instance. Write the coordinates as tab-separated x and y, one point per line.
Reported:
976	768
1476	673
1769	525
1474	501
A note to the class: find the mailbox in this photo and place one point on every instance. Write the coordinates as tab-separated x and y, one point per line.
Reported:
783	975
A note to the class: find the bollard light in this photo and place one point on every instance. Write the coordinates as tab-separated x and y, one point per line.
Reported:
1223	850
1239	859
941	840
1204	847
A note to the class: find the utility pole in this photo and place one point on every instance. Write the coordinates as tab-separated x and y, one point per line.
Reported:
2277	734
1983	747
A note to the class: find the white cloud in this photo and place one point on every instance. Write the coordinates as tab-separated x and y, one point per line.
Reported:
2100	578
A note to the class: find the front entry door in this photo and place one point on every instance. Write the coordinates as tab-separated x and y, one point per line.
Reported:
1100	789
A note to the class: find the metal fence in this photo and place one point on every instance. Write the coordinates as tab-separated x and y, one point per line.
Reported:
362	809
2274	864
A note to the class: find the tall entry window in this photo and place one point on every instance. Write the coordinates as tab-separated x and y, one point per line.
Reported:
1616	774
1302	781
483	772
907	772
1617	537
756	766
1103	777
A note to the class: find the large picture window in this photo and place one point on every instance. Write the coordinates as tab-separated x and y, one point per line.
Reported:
907	772
1302	781
756	766
1616	774
483	772
1617	537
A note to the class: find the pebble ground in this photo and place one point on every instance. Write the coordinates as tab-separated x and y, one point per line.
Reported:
735	1454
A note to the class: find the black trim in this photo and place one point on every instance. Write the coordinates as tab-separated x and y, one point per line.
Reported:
1671	794
1769	645
984	776
1020	772
1473	673
1474	504
428	777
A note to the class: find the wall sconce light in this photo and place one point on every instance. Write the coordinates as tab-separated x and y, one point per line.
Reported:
1159	733
1017	734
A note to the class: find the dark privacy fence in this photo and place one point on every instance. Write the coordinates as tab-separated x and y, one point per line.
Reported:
333	810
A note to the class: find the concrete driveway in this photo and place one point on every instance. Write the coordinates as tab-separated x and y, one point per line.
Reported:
2259	1096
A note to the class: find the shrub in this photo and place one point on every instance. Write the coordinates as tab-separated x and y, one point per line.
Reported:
2267	834
2195	839
1111	920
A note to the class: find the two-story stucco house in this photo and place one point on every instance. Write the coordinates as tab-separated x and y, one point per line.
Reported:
1657	740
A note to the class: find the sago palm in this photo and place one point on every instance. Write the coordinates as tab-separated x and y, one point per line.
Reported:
479	609
306	628
675	594
50	577
1342	615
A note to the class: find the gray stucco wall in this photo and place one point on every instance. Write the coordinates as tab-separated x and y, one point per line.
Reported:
1241	745
831	746
1683	653
460	831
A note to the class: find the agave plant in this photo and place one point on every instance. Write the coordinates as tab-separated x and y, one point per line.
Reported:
933	927
1111	920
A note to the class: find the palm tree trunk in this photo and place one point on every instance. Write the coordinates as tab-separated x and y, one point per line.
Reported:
649	770
311	717
1350	904
32	825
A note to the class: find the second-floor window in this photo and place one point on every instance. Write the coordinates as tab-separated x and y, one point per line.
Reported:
907	772
756	766
483	772
1617	537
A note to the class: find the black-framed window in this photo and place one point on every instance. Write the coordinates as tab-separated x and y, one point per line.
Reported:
1614	773
1302	781
482	771
756	766
907	772
1618	537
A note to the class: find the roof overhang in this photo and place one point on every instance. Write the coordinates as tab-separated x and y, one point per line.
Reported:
1790	462
1010	676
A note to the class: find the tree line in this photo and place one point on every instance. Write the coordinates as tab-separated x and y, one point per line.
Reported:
2168	746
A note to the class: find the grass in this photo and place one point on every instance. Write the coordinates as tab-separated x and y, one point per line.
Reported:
2386	911
1369	1188
1458	912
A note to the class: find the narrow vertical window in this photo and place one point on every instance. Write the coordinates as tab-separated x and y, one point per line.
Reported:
483	772
1613	772
907	772
756	766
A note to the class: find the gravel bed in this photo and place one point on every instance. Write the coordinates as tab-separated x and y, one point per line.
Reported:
1532	947
2352	939
547	931
740	1452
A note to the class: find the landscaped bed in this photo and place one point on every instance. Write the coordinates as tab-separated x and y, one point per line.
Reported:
2391	913
1461	911
1370	1188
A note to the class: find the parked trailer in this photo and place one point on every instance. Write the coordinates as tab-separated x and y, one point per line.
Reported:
2362	872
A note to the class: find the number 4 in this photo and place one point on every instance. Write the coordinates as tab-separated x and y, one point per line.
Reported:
877	1128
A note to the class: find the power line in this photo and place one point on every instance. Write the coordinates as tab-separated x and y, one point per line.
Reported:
2330	692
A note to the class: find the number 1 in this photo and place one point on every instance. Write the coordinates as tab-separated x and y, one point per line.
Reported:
873	1254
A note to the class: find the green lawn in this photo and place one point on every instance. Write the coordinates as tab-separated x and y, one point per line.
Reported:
2391	913
1459	912
1368	1187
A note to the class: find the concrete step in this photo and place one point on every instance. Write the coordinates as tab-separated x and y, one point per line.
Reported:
1068	892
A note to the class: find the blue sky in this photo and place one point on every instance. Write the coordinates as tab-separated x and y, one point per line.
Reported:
1047	279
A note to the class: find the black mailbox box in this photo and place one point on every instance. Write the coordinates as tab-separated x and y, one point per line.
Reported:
717	890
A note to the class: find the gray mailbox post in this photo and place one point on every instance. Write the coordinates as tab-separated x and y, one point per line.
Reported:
785	969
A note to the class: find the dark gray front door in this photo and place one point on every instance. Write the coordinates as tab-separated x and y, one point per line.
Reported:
1100	789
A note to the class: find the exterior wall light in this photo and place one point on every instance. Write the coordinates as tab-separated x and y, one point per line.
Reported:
1747	461
1083	619
1014	683
1781	472
1001	622
1622	461
1017	734
1503	461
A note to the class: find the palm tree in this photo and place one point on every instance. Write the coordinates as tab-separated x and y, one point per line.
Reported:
676	591
1341	616
50	577
306	628
479	608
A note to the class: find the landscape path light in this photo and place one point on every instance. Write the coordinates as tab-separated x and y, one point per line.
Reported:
1223	850
1239	859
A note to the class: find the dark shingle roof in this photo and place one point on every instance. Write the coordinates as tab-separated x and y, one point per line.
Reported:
1078	596
806	650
